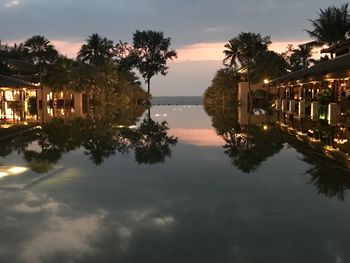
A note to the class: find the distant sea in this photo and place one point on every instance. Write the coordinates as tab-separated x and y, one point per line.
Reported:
178	100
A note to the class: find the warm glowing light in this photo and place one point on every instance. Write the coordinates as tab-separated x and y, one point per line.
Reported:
3	174
340	141
11	170
17	170
266	81
265	127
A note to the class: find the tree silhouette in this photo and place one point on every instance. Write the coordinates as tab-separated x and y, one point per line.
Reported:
331	25
40	51
151	142
152	51
96	51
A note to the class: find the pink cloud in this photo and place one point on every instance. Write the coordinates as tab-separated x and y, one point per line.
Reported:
67	48
214	51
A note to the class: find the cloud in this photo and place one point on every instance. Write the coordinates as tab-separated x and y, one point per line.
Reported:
64	235
69	48
164	221
201	52
214	51
11	3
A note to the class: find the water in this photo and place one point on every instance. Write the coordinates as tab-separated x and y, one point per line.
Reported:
176	100
196	204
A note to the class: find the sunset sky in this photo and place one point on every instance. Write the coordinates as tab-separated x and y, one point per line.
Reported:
198	28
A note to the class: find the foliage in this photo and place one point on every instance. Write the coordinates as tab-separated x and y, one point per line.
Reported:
223	89
331	25
268	65
96	51
40	51
248	53
61	75
151	142
152	51
299	58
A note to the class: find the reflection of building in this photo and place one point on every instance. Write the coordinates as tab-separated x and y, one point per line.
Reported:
246	116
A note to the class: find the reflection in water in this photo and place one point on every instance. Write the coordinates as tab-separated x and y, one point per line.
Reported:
150	141
189	209
253	134
101	134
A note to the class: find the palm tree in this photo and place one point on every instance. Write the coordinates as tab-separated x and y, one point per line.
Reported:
152	51
250	46
230	59
40	51
96	51
331	25
246	48
269	65
4	54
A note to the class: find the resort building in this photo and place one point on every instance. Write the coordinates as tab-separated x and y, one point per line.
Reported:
24	100
321	91
316	101
15	95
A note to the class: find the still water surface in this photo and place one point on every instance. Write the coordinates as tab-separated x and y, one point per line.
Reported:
196	206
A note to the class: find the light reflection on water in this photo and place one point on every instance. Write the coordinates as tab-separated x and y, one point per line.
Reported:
196	206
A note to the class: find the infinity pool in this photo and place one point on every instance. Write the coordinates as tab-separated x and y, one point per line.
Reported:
202	201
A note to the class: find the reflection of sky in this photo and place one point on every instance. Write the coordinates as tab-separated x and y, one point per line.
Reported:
189	123
196	207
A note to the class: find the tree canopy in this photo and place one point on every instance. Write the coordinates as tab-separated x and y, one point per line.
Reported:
331	25
152	51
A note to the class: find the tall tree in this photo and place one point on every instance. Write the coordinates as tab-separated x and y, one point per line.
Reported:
153	51
331	25
231	52
299	58
269	65
40	51
4	54
96	51
124	56
245	49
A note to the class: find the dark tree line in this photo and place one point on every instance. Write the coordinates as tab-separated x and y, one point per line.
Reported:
100	63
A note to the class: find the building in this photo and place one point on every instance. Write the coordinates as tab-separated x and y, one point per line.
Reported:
24	100
320	91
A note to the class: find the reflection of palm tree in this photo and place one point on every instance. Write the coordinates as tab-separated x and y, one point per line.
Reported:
151	142
330	182
250	150
42	161
331	179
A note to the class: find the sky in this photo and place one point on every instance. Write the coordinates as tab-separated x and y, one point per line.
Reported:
198	28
